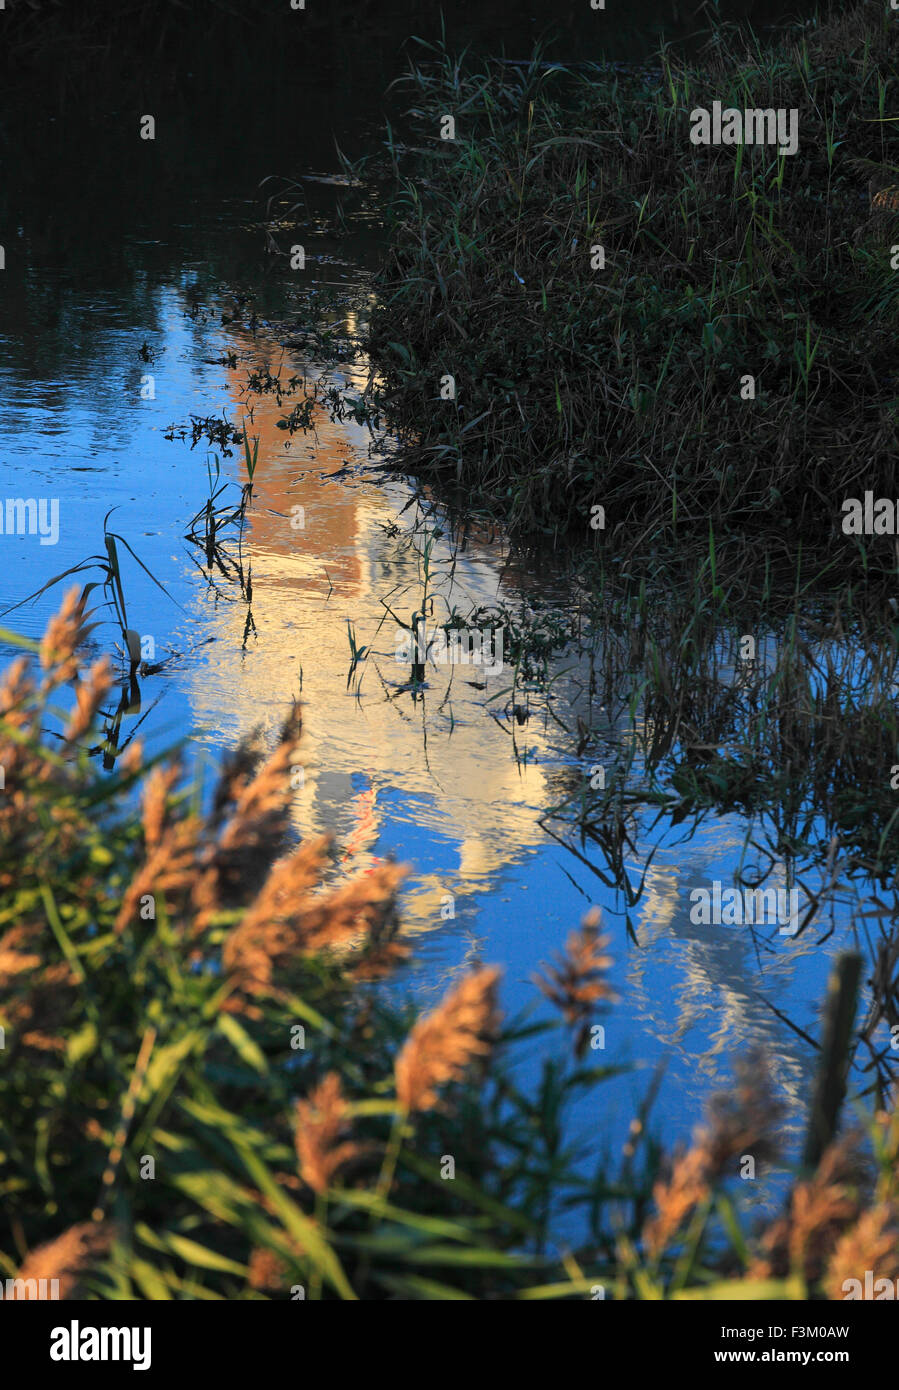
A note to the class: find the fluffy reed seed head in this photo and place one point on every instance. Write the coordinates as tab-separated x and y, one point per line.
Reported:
16	690
69	1256
62	637
871	1244
90	692
289	920
247	824
739	1122
266	1270
321	1121
160	784
821	1208
444	1042
576	983
677	1198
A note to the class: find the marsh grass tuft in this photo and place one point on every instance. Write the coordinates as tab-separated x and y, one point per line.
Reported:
622	385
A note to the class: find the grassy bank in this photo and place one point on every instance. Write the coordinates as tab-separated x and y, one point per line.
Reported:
579	384
203	1097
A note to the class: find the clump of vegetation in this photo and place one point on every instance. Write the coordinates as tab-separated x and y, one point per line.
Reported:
203	1096
617	378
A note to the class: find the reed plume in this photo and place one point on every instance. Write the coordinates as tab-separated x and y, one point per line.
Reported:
63	636
32	774
872	1243
267	1271
169	869
247	823
288	920
158	788
321	1122
821	1209
89	696
69	1257
576	983
677	1198
739	1123
35	994
16	757
16	690
444	1042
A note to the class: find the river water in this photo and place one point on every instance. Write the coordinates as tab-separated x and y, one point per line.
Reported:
141	290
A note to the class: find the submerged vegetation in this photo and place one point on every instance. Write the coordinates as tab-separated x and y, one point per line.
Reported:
202	1097
576	294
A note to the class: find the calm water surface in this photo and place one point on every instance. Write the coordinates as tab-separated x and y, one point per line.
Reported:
150	260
